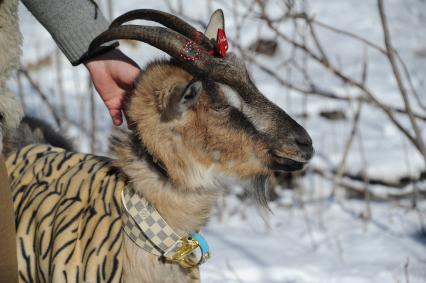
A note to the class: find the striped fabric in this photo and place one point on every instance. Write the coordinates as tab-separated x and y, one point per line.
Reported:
68	215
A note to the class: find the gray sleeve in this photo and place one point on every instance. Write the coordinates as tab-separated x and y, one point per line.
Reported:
73	24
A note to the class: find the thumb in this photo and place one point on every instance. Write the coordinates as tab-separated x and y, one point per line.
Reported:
116	116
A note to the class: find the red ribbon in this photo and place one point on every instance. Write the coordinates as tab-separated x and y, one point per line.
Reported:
220	49
222	42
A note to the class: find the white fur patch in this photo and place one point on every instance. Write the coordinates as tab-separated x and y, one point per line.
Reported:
232	96
202	176
235	100
260	124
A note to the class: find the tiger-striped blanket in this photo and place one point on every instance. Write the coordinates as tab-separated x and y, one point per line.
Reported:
67	208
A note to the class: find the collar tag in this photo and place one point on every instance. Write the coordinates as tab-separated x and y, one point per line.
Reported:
201	242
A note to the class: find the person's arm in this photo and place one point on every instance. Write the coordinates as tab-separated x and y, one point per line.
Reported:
73	25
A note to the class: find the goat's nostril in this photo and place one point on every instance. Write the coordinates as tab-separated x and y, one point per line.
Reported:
303	141
305	145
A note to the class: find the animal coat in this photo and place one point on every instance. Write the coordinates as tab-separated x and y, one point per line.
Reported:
68	215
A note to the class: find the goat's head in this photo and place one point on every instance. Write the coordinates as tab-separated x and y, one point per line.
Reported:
202	111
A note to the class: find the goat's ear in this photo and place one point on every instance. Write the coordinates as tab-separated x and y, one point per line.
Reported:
217	21
190	95
181	99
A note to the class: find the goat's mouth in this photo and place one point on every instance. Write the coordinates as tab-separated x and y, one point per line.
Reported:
284	164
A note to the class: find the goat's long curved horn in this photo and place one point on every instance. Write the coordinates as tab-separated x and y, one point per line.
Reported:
167	20
194	59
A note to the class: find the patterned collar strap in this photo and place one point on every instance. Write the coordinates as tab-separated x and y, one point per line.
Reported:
147	229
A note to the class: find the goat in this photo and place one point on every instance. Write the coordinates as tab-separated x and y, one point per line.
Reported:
193	120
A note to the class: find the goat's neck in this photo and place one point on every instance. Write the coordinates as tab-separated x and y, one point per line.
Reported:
185	209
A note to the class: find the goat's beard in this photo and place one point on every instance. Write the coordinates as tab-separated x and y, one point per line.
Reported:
259	190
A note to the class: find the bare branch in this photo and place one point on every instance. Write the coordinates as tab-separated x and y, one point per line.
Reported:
375	47
392	60
349	34
42	95
314	90
342	165
348	80
93	129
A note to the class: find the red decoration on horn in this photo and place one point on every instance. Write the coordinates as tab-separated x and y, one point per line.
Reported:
191	52
222	42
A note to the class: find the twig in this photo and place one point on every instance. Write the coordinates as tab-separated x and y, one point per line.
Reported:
401	183
406	272
392	60
407	162
364	66
367	193
357	191
92	116
317	42
349	34
42	95
410	81
378	48
339	247
60	85
342	164
316	91
20	90
348	80
232	270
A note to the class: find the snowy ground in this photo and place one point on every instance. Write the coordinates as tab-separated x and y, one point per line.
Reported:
317	240
325	242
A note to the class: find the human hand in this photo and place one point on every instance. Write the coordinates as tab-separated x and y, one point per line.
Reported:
113	75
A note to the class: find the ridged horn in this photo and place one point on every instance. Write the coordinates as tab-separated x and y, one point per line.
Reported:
167	20
193	58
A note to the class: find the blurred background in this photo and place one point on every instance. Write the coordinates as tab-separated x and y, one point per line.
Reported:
358	212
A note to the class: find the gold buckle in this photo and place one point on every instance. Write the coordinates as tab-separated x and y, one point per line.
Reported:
181	256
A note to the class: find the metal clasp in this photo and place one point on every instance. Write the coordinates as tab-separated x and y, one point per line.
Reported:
184	254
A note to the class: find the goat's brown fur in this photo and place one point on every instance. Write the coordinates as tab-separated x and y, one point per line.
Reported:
201	136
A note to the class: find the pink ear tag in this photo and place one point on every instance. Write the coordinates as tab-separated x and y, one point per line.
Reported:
222	42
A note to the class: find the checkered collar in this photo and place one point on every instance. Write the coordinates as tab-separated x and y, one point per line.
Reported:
147	229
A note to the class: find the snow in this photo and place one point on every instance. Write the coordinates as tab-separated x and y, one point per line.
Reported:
308	237
323	242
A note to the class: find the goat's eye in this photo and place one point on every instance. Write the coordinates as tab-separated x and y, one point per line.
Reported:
220	107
